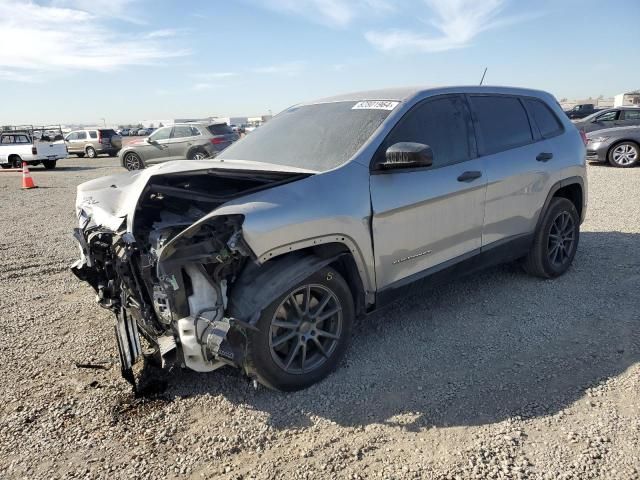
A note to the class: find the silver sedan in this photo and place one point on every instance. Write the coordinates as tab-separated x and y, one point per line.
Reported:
618	146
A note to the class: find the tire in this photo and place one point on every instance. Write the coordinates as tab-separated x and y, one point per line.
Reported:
91	152
624	155
198	154
49	164
16	161
132	161
556	240
275	352
80	155
6	165
113	154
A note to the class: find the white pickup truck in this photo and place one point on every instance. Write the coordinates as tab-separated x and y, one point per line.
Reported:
42	145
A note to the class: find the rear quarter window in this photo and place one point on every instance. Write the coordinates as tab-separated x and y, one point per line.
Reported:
545	119
502	123
93	134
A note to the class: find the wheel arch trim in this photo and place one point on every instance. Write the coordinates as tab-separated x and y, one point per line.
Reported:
552	193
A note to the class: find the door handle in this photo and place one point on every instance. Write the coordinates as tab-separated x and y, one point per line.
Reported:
544	156
469	176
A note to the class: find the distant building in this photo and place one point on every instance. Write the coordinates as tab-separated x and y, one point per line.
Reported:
171	121
627	99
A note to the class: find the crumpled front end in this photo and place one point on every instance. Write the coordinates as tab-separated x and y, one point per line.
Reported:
166	272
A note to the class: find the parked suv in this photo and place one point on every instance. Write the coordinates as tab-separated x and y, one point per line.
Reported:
193	141
263	257
93	142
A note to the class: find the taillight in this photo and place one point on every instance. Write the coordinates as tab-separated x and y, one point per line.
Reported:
99	136
34	150
584	137
217	140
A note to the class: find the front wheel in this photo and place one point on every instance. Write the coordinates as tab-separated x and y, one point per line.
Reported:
624	155
131	161
303	334
556	240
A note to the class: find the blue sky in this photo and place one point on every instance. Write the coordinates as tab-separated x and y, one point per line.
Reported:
126	60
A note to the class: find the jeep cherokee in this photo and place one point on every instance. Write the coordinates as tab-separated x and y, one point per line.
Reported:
263	257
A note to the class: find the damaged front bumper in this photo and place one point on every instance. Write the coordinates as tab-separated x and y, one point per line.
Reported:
176	301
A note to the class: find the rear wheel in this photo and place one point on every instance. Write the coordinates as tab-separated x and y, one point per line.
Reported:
113	154
49	164
197	155
303	334
556	241
91	152
131	161
624	155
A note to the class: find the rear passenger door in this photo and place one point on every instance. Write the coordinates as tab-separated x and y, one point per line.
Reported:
517	159
427	218
182	139
631	118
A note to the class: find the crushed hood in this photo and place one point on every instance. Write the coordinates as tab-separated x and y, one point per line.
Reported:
109	201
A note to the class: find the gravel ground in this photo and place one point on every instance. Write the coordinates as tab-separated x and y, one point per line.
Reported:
497	375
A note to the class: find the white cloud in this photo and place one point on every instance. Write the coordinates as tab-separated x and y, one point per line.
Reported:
120	9
289	69
165	33
57	39
204	86
457	23
214	75
335	13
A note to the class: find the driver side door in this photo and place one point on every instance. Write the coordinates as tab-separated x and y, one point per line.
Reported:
428	218
155	148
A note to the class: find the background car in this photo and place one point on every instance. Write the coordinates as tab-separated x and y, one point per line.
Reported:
610	118
193	141
93	142
142	132
619	146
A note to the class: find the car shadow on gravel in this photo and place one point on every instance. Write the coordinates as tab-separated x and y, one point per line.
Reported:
478	350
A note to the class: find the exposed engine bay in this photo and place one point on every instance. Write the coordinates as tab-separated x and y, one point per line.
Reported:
168	278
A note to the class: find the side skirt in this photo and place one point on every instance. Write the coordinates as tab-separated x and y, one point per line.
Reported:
494	254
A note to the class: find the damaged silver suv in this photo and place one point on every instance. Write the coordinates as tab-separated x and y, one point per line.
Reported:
263	257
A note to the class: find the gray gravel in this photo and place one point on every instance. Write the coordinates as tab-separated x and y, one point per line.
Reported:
498	375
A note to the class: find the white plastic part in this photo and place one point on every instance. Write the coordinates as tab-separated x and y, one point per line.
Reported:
205	296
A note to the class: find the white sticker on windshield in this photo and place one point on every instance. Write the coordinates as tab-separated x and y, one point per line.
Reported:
375	105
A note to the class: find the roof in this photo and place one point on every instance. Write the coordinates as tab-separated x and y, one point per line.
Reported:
400	94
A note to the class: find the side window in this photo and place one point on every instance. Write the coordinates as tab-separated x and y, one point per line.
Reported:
545	119
81	135
441	123
161	134
72	136
502	123
609	116
632	114
22	139
195	132
93	134
6	139
181	131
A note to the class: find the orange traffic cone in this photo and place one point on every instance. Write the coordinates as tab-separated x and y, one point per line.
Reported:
27	181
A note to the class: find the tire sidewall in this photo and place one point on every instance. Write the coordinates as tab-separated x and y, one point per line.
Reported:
262	364
558	206
88	152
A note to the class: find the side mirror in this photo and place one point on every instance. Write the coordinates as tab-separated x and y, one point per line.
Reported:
150	140
407	155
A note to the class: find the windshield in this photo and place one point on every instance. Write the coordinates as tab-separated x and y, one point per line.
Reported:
314	137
